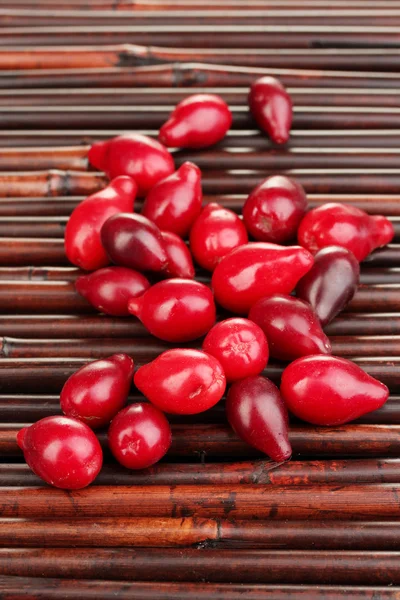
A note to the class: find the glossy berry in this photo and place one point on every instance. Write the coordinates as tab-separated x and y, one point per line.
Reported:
135	242
139	436
140	157
291	326
274	209
331	283
198	121
344	225
175	202
256	270
327	390
271	106
98	390
83	245
176	310
64	452
109	289
214	234
240	346
182	381
258	415
179	259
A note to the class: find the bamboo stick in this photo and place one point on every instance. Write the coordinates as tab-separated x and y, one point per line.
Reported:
320	181
260	472
353	502
212	440
19	588
211	565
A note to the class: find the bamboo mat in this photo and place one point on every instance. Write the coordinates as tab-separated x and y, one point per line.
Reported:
214	520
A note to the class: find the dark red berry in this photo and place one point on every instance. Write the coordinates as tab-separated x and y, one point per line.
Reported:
271	106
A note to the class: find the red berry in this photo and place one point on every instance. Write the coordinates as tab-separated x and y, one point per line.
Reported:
331	283
182	381
271	106
256	270
140	157
258	415
179	259
291	326
240	346
198	121
98	390
135	242
175	202
214	234
139	436
82	235
176	310
64	452
327	390
344	225
274	209
109	289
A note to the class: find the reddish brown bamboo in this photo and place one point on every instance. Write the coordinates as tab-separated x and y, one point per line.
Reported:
353	502
219	441
260	472
19	588
133	55
43	158
50	183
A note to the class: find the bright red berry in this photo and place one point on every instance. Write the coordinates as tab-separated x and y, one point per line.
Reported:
98	390
327	390
198	121
175	202
344	225
291	326
83	245
140	157
135	242
258	415
179	259
331	283
274	209
64	452
271	106
182	381
256	270
214	234
176	310
109	289
240	346
139	436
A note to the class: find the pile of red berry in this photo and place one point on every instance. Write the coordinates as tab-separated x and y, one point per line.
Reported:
251	279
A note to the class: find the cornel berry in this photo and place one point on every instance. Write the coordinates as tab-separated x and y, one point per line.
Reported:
271	106
98	390
274	209
331	283
82	240
182	381
214	234
344	225
142	158
255	270
198	121
328	390
174	203
139	436
258	415
176	310
179	259
64	452
291	326
110	289
240	346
